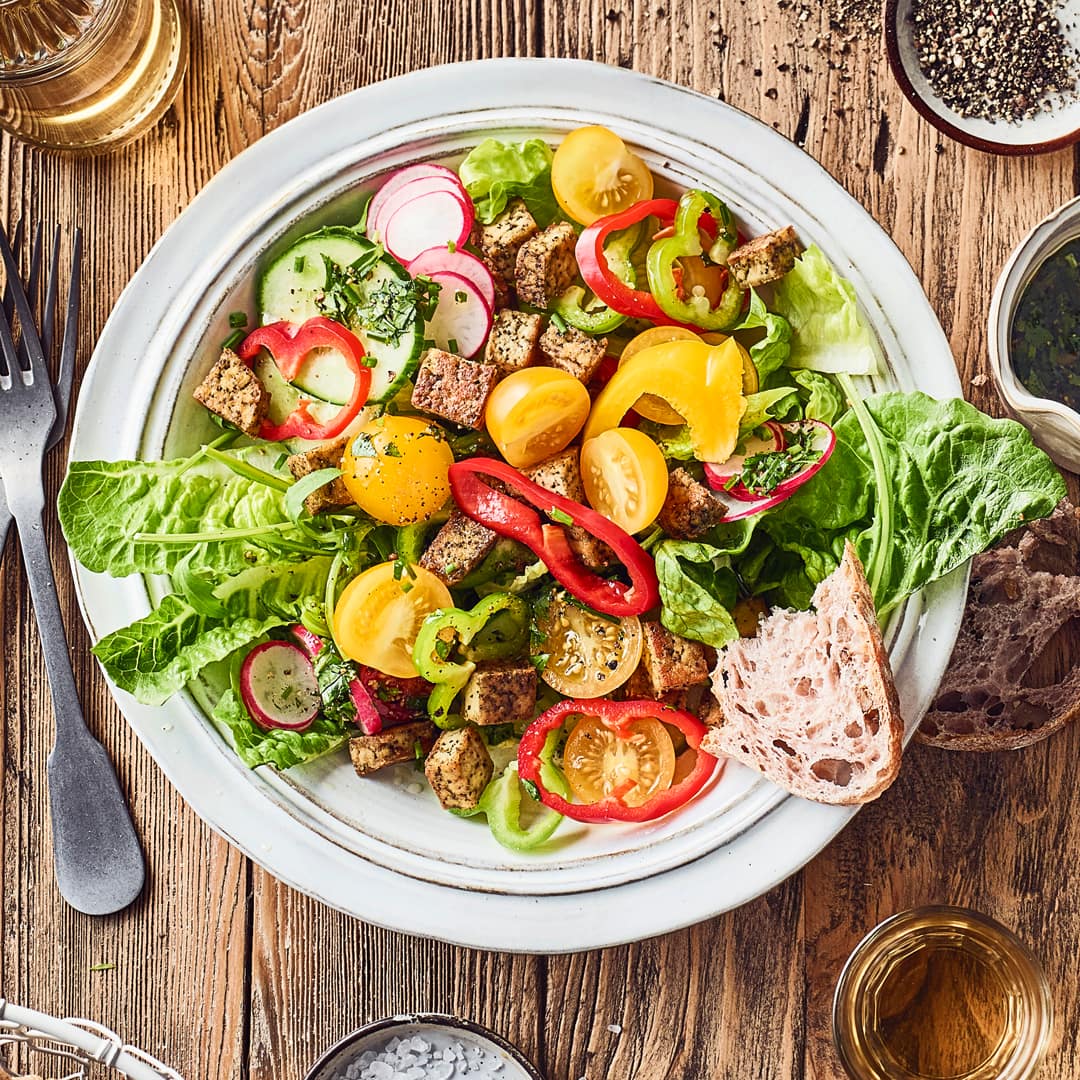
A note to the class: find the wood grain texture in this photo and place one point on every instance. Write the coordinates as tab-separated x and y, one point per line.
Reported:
227	973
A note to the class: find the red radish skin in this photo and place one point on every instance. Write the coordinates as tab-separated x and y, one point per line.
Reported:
427	185
311	643
465	324
399	179
433	220
396	700
719	475
439	260
279	688
368	718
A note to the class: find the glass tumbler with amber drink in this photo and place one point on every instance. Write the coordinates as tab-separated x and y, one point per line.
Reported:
85	75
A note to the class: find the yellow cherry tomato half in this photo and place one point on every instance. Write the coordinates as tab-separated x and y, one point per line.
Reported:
378	616
594	174
534	413
625	477
396	469
598	762
588	656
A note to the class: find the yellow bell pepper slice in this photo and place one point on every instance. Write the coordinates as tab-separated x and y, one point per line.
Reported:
703	383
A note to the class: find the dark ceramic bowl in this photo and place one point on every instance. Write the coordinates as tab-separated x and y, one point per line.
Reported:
1041	133
375	1035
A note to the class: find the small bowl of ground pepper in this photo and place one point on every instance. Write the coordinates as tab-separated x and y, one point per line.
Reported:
998	75
1034	334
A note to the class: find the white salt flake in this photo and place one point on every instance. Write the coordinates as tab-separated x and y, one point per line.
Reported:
615	1029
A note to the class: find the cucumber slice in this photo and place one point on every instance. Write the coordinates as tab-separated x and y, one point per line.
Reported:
290	289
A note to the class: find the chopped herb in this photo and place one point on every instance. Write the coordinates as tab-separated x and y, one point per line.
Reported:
418	750
442	648
451	246
561	516
233	339
391	450
103	967
558	322
429	343
532	789
540	661
298	263
279	461
461	297
452	345
450	568
237	319
763	473
406	586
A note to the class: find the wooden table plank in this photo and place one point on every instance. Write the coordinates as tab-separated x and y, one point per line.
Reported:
227	973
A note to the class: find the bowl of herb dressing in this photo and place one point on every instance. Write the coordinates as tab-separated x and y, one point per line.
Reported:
1034	334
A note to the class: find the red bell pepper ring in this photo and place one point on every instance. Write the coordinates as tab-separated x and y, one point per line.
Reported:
510	517
617	716
288	344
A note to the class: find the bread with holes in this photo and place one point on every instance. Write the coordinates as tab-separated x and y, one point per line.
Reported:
810	702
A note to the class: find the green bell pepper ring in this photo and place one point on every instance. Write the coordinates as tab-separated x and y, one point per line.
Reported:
602	319
441	630
501	805
685	242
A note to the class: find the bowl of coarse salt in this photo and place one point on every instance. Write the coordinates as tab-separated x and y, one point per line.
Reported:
423	1046
1001	77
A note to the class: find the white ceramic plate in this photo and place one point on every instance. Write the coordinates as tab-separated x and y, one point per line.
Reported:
374	849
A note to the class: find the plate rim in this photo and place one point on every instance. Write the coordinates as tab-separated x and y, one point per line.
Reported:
617	87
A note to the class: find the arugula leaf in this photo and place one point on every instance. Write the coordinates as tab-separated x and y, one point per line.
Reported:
827	331
282	749
296	496
769	352
495	172
697	591
157	655
104	505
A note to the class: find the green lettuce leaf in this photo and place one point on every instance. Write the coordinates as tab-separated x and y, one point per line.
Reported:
157	655
959	482
697	591
767	405
282	749
103	505
673	439
494	173
769	351
824	401
827	331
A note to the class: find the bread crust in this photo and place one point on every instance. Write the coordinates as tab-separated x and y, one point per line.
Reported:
845	592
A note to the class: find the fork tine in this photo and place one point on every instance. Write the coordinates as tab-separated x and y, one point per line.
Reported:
8	303
66	375
7	346
31	291
27	327
52	287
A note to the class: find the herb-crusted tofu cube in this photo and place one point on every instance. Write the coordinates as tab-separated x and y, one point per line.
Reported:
500	693
458	768
765	258
395	745
573	351
512	343
454	388
546	266
233	391
672	662
500	241
459	547
689	510
328	456
561	473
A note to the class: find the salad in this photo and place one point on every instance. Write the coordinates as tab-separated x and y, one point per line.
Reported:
504	465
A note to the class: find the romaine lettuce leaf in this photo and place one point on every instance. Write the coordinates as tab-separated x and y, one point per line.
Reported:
282	749
494	173
103	505
157	655
827	331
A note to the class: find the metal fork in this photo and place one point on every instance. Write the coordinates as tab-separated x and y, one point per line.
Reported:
99	862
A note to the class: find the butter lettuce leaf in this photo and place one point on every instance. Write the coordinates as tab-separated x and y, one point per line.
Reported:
159	654
827	331
698	589
104	505
495	172
282	749
769	351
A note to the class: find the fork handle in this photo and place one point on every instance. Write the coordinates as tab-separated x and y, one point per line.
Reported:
96	849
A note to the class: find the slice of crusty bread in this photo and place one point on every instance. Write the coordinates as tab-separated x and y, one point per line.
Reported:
1012	679
810	701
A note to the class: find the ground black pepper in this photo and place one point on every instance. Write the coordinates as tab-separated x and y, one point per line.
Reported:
995	59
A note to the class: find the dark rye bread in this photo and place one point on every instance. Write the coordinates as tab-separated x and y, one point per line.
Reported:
810	701
1008	683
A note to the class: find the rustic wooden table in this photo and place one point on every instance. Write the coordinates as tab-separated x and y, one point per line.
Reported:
224	972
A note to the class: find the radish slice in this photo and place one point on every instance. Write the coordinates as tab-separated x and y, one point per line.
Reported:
719	475
278	686
433	220
743	502
402	177
368	717
426	185
439	260
311	643
462	319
